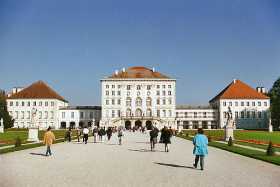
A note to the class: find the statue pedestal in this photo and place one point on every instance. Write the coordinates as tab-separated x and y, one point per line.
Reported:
229	128
33	134
270	128
1	129
1	126
180	128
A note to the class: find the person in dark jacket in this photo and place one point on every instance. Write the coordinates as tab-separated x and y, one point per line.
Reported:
165	138
153	138
68	135
109	133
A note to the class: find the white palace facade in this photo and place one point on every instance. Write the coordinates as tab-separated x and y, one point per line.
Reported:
139	96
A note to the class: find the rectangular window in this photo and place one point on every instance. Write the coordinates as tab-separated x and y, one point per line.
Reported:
81	115
119	102
225	115
113	113
107	92
40	115
253	104
177	114
163	86
138	87
265	103
113	86
113	101
259	104
186	114
72	115
22	114
164	102
163	93
119	86
224	103
170	101
17	103
158	101
52	115
119	113
158	93
248	114
149	87
242	114
107	86
46	103
170	113
34	103
11	103
119	93
169	92
195	114
158	86
16	115
259	114
242	103
46	115
28	114
107	102
91	115
248	103
164	113
236	115
158	113
113	93
128	87
253	114
22	103
169	86
236	103
40	103
52	103
63	115
230	103
28	103
204	115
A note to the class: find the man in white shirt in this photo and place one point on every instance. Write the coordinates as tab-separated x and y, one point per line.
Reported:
85	132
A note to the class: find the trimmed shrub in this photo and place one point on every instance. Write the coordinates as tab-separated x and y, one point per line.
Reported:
230	142
209	138
187	134
18	142
270	150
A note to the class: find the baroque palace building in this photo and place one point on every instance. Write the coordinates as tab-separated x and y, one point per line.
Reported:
138	96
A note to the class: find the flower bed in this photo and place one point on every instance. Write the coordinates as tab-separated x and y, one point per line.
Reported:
258	142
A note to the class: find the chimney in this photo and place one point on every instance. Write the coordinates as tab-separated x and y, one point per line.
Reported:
234	81
123	70
16	90
263	90
116	72
259	89
153	69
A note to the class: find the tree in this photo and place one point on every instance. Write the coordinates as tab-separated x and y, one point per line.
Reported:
8	121
274	95
270	150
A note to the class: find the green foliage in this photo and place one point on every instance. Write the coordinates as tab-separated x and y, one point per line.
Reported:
8	121
274	94
18	142
270	150
230	142
209	138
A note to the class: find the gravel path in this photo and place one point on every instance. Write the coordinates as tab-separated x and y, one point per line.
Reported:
132	164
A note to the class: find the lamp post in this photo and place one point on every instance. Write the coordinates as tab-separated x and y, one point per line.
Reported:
33	130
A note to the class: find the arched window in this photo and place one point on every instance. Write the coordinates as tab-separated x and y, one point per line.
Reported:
138	101
138	113
149	101
128	101
128	112
149	113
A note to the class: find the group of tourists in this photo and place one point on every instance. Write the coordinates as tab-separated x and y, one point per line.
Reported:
200	141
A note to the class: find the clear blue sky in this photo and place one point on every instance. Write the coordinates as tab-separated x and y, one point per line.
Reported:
71	45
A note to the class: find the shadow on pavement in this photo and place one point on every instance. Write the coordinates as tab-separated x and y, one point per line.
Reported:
38	154
173	165
143	142
144	150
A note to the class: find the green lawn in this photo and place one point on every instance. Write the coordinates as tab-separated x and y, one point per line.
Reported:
9	137
243	151
242	135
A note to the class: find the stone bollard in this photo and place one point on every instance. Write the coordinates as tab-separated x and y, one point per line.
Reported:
1	125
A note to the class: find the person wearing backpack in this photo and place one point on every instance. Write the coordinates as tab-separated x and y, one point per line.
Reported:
153	138
120	135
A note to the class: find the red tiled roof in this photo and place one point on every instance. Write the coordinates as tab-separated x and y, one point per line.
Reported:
138	72
37	90
239	90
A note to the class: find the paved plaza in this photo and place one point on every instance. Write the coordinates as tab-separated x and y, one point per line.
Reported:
132	164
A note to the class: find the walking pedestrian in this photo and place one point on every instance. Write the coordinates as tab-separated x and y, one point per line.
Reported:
165	138
200	142
153	138
95	133
49	138
85	133
120	135
79	133
109	133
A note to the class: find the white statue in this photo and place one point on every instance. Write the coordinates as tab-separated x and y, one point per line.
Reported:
1	125
229	126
